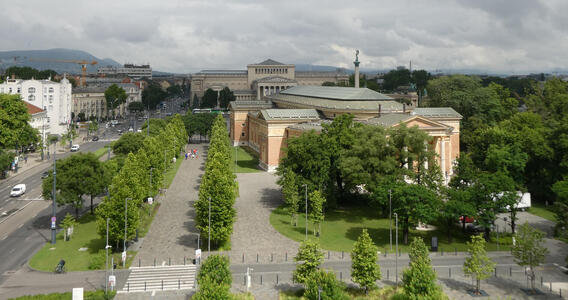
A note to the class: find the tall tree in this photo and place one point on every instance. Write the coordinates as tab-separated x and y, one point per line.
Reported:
478	264
14	123
128	143
209	99
365	270
226	96
324	285
560	189
152	95
317	202
396	78
115	96
419	279
290	194
136	106
529	249
311	257
217	268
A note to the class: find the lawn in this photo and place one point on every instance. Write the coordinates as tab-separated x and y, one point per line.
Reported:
88	295
102	151
385	293
171	172
247	161
539	209
342	227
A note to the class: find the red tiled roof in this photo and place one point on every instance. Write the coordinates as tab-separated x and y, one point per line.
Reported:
32	109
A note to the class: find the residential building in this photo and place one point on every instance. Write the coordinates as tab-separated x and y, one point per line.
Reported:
52	97
38	120
130	70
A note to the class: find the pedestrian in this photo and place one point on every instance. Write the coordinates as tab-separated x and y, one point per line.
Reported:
186	156
196	153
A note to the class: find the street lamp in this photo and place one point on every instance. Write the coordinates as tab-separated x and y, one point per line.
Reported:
390	218
306	186
396	253
125	228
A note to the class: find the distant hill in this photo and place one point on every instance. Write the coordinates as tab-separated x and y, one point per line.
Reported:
25	58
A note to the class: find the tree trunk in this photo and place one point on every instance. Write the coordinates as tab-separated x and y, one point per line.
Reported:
477	287
463	224
513	223
405	231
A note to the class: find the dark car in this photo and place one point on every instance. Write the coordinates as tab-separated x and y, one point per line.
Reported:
44	174
95	138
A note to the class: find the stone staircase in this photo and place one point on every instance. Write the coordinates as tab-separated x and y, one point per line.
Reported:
160	278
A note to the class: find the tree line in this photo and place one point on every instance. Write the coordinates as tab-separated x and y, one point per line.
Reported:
218	189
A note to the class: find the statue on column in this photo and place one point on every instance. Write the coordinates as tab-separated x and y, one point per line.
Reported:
356	54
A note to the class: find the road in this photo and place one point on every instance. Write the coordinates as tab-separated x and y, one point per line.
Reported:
25	226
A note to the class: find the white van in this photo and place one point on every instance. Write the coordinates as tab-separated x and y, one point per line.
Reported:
18	190
524	201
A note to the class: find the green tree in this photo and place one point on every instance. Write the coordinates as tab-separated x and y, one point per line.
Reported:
396	78
6	159
209	290
290	194
317	201
29	73
226	96
327	283
364	268
114	96
136	106
458	205
529	249
68	222
311	257
419	279
478	264
216	268
128	143
93	127
209	99
15	130
174	91
560	189
152	95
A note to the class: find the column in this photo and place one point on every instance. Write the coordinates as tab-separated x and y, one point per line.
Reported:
258	92
443	158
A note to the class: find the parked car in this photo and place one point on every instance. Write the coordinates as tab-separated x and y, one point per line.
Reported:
75	148
45	174
18	190
95	138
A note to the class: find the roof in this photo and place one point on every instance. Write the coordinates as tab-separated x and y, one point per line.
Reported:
387	120
336	93
250	104
436	112
222	72
32	109
307	126
288	114
332	104
269	62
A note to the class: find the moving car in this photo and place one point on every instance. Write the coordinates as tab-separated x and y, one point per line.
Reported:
95	138
18	190
44	174
75	148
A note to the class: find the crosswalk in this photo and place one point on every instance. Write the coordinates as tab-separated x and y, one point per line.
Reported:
160	278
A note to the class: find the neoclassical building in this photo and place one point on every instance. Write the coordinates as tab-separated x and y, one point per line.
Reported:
265	125
259	80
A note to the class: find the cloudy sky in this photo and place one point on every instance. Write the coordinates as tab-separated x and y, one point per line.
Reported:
513	36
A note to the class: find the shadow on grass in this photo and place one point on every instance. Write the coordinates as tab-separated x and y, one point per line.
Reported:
378	235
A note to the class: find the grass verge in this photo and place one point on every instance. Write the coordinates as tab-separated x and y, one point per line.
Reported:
102	151
342	227
171	172
539	209
247	161
385	293
88	295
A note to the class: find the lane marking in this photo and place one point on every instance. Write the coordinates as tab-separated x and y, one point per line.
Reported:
4	237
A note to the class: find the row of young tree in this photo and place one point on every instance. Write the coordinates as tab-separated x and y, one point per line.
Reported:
214	209
140	176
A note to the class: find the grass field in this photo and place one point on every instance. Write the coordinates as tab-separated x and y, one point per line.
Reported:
247	162
539	209
342	227
102	151
88	295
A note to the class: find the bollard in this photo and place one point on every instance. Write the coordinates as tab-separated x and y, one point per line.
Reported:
551	286
179	283
128	287
243	258
261	279
342	254
169	261
442	249
257	257
138	262
154	261
540	281
276	279
184	260
560	293
286	256
144	286
495	271
271	257
162	284
386	252
245	280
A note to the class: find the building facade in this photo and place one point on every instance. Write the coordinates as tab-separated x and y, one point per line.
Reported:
130	70
259	80
52	97
91	100
38	120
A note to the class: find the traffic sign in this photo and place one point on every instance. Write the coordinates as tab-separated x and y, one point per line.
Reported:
123	255
53	219
197	253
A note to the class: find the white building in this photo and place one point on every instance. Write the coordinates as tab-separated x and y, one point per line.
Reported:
130	70
52	97
38	120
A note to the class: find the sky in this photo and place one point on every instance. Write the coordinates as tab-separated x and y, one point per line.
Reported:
494	36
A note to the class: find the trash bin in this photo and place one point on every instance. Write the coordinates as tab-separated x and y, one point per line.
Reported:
435	244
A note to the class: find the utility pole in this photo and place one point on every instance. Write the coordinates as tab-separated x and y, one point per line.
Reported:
209	228
390	218
54	206
306	187
106	258
396	253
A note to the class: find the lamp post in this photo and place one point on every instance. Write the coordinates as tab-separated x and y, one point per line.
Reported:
306	187
209	228
54	206
390	218
106	258
396	253
125	228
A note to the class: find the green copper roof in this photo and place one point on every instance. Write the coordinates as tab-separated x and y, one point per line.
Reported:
388	120
289	114
436	112
336	93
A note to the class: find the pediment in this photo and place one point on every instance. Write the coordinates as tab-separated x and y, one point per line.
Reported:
424	123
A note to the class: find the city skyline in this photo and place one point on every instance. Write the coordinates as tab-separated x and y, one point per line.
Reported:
512	37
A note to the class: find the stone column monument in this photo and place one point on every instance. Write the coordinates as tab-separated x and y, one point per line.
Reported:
356	63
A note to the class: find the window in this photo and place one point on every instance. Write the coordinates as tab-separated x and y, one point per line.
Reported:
50	98
244	124
31	98
51	90
19	90
10	90
31	90
242	134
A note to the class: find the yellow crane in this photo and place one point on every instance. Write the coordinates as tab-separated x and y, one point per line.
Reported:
83	63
